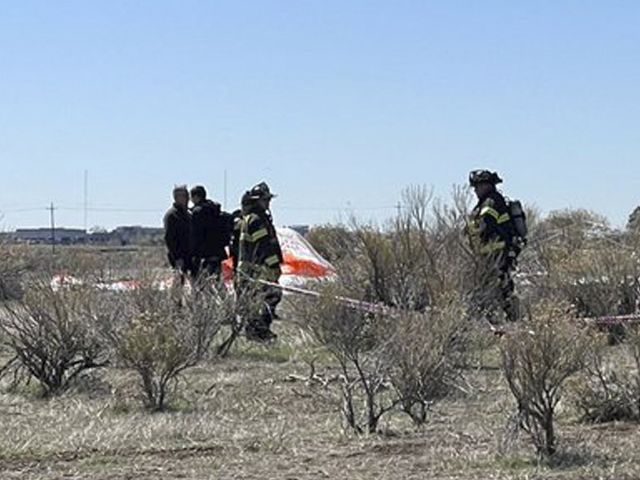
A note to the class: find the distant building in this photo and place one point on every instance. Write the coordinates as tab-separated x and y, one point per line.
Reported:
127	235
102	238
137	235
63	236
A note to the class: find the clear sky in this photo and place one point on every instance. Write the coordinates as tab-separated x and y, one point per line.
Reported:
339	104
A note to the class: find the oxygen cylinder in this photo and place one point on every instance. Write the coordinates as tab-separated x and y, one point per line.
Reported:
519	218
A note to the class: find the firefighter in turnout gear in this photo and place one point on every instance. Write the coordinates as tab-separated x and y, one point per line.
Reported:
259	259
496	241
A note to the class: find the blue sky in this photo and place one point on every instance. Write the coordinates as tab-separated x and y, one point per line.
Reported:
338	104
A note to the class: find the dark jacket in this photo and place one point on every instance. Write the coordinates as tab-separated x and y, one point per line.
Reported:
260	252
491	228
235	238
177	234
211	230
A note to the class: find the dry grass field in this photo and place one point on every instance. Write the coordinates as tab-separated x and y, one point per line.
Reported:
253	416
259	414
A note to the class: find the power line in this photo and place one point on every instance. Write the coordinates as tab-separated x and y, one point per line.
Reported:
335	208
21	210
109	209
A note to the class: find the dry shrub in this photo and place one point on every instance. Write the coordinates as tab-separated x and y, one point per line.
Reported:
426	354
330	240
537	361
351	335
599	281
579	258
164	333
420	267
53	335
609	390
389	359
415	259
421	255
12	267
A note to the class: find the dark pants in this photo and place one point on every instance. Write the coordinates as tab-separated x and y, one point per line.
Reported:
184	265
207	267
259	303
261	318
510	302
497	290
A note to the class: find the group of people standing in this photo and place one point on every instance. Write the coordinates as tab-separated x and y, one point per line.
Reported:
199	239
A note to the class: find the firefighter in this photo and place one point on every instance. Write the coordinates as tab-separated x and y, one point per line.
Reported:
177	231
259	262
495	240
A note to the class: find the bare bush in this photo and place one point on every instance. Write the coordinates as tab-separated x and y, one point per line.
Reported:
609	390
389	359
426	354
53	335
352	336
329	241
537	361
600	281
407	355
579	258
165	333
422	254
12	267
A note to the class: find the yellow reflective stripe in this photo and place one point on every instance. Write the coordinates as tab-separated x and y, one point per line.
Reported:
489	211
493	247
260	234
504	218
272	260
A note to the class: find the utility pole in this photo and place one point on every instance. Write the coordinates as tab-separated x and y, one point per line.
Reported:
399	208
86	200
225	188
53	228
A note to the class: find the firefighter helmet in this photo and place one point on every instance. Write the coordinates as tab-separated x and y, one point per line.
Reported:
476	177
261	192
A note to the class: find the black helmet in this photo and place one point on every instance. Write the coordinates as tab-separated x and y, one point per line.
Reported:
476	177
261	192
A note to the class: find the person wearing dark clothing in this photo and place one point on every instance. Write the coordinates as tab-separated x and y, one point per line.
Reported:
177	231
492	237
210	233
260	260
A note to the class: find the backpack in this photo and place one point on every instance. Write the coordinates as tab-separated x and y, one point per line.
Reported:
518	220
225	227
